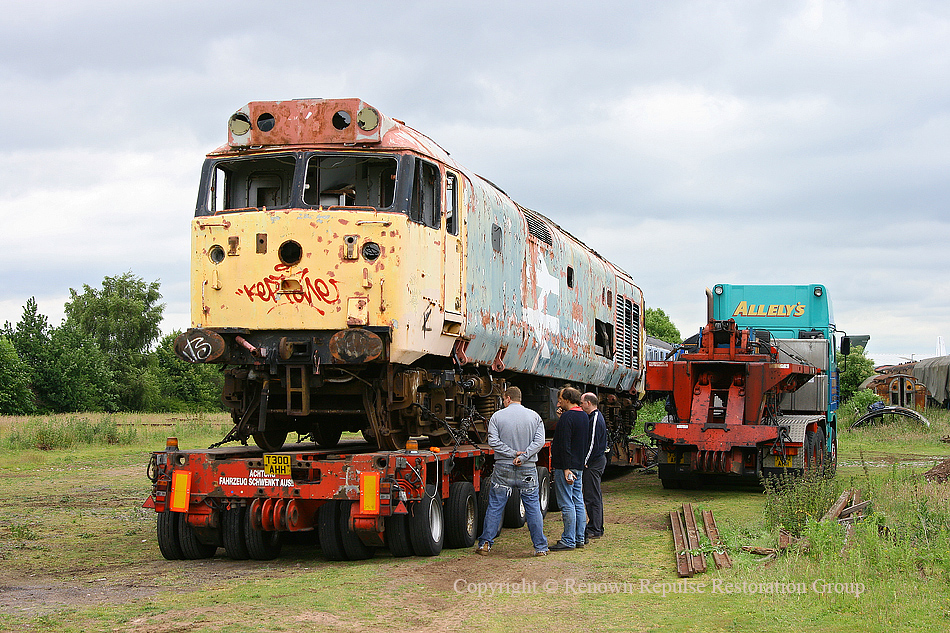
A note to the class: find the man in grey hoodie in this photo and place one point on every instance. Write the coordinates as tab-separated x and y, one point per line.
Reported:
516	434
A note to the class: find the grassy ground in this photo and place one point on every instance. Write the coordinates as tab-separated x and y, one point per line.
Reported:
78	553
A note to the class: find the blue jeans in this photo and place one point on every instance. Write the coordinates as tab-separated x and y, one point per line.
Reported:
570	497
504	478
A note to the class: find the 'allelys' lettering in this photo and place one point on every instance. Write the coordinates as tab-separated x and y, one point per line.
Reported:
774	310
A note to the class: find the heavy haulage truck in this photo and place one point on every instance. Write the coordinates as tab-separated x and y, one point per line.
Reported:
755	393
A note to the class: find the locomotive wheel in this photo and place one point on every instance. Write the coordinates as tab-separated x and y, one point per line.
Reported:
191	547
168	542
426	527
261	544
544	489
232	526
326	435
355	548
397	535
328	528
395	441
514	510
270	440
461	516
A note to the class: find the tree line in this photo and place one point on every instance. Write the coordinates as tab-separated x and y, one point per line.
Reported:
108	354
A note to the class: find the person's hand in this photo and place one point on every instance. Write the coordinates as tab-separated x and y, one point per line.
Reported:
569	476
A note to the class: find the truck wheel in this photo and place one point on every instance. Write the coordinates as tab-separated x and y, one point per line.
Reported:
514	510
191	547
482	498
271	439
168	542
426	528
814	446
544	489
461	516
397	535
232	526
354	548
328	528
261	544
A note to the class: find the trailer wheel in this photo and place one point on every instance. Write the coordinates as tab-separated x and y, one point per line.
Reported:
191	547
167	529
261	544
232	526
328	528
514	510
544	490
426	527
353	547
271	439
461	516
482	498
397	535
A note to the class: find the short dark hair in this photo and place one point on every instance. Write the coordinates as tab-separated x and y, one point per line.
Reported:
514	393
571	394
591	398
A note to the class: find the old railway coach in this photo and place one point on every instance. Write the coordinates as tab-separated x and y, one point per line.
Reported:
350	276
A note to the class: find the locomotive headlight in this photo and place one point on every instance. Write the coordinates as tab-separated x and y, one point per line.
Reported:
371	251
718	290
818	291
239	125
290	253
216	254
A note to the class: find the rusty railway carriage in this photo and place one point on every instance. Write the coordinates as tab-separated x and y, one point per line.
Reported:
350	276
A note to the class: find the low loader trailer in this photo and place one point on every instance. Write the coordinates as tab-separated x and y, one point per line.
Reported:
354	499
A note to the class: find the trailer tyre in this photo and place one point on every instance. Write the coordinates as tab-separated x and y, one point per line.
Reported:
191	547
354	548
261	544
482	498
814	449
328	528
232	526
514	510
461	516
167	529
544	490
397	535
426	527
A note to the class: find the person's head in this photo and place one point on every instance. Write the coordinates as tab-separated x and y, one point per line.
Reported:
568	397
512	394
589	402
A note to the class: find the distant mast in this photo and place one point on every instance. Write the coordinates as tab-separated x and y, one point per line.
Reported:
941	348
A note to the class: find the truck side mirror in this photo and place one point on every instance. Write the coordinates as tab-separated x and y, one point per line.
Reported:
845	345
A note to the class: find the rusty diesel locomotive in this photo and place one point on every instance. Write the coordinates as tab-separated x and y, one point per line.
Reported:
350	276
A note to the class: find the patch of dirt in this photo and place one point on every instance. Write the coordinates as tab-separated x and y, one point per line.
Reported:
939	473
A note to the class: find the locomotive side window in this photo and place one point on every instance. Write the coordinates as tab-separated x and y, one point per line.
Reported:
339	181
451	204
603	338
425	204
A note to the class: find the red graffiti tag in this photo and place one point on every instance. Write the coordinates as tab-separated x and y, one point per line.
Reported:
268	289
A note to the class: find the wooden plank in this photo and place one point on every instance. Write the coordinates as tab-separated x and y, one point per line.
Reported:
857	509
838	506
684	566
720	557
692	539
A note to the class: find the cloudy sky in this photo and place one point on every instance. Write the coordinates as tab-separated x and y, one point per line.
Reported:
691	143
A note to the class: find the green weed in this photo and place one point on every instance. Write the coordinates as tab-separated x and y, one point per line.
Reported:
791	502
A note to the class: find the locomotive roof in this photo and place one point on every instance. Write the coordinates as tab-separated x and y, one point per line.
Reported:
344	124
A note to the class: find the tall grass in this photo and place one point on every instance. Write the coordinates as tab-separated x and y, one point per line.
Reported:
61	432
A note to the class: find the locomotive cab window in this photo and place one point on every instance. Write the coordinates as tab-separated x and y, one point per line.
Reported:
343	181
603	338
425	204
234	185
